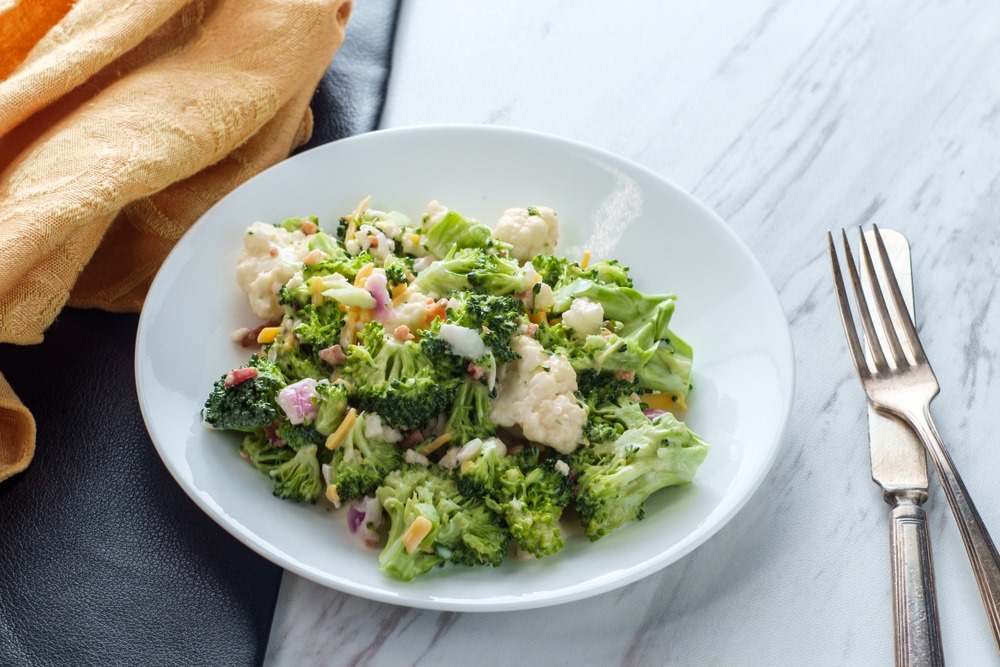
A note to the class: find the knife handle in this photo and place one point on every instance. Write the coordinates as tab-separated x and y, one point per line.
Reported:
917	630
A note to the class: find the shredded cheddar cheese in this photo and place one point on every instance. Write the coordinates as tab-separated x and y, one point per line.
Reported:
416	532
268	334
337	437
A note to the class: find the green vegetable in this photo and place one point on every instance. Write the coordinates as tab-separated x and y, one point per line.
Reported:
249	405
615	479
360	463
393	379
496	318
456	232
299	478
263	454
462	530
331	404
531	494
472	269
469	417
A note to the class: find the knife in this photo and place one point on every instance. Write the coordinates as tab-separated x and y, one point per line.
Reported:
900	468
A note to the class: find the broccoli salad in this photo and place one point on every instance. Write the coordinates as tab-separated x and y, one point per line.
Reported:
456	388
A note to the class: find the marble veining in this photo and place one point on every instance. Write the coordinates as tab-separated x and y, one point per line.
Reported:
788	119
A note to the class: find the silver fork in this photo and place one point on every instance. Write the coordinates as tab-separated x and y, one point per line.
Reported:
899	382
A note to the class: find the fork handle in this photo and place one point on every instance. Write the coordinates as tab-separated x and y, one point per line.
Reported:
915	613
982	554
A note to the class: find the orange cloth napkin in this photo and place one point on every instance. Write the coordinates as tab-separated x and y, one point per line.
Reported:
121	122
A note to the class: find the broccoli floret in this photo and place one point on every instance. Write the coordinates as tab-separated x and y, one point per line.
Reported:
623	304
331	404
470	533
457	529
360	463
397	269
299	436
494	317
607	420
456	232
395	380
531	494
595	387
477	476
299	479
669	368
614	479
645	345
248	405
552	269
472	269
313	328
558	271
469	417
406	496
295	360
263	454
609	272
318	326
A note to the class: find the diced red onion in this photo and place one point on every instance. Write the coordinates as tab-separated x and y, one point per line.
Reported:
653	413
297	400
379	289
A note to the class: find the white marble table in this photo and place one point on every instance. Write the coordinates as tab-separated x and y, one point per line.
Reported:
788	119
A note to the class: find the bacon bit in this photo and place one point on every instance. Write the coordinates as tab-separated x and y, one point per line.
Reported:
249	338
273	252
414	437
531	329
332	355
402	333
314	256
628	376
373	242
308	227
271	433
239	376
437	309
475	372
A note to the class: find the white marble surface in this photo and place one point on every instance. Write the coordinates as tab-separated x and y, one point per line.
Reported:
789	119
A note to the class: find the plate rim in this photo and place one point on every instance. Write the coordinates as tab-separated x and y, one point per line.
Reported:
528	601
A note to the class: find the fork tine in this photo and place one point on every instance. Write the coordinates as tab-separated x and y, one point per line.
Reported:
850	330
891	336
897	300
874	344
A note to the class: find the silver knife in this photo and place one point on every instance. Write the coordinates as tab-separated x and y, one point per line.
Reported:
900	468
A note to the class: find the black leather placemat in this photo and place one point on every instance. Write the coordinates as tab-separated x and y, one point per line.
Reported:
103	559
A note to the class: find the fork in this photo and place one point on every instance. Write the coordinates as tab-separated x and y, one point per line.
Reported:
899	382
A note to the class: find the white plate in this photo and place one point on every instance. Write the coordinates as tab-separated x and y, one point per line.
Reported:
726	309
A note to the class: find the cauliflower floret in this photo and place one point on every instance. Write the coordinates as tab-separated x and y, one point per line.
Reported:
270	257
536	300
530	230
370	238
411	313
537	393
434	214
584	317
